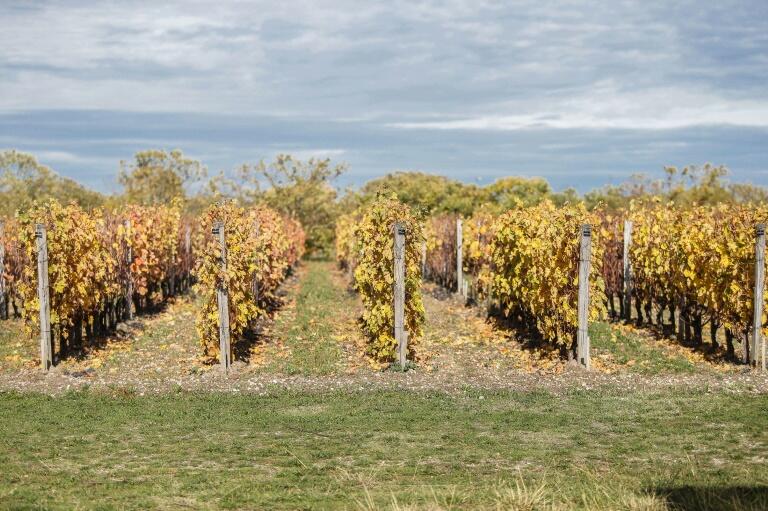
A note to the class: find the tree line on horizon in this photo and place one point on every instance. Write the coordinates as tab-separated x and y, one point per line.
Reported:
305	189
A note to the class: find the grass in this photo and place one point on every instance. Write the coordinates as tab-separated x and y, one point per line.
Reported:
636	354
310	332
16	349
385	450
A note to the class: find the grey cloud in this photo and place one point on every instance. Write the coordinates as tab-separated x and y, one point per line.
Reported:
569	90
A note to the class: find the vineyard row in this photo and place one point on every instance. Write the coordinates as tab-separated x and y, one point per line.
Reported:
682	269
74	275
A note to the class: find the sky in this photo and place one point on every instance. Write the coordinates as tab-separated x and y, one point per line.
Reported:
581	93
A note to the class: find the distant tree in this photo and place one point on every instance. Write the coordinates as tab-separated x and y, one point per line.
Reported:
157	177
508	191
568	195
689	186
611	197
614	197
431	193
300	189
695	185
748	193
23	179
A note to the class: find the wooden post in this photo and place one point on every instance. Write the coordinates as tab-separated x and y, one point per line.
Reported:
757	314
43	294
257	232
222	297
399	292
459	261
188	244
582	336
680	320
627	270
188	258
424	259
129	263
2	271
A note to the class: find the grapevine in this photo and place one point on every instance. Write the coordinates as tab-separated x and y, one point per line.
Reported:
367	244
478	231
441	250
261	247
698	264
88	267
535	256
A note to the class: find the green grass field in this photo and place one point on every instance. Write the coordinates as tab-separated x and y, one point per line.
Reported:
385	450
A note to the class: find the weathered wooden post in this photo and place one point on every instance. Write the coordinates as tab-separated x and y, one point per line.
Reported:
424	259
399	290
582	335
459	258
222	298
627	270
681	326
188	256
3	305
46	352
256	231
758	346
129	263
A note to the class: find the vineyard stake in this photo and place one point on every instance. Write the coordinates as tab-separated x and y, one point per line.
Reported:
582	335
627	270
223	301
188	253
424	259
129	262
46	356
399	289
257	232
2	270
188	241
757	316
459	261
681	320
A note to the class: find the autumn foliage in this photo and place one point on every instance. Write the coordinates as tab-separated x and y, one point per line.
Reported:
535	259
697	263
88	267
261	247
367	244
441	250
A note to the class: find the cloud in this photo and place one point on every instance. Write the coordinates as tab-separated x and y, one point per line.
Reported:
58	156
463	87
398	61
608	108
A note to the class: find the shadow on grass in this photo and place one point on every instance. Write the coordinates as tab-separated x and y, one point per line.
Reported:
255	334
705	498
667	332
526	334
663	326
97	338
